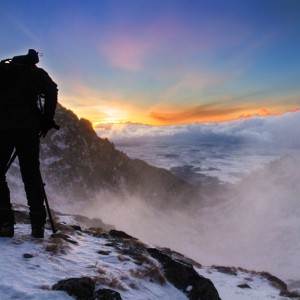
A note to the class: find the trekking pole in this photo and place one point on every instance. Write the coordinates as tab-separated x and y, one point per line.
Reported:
13	157
48	208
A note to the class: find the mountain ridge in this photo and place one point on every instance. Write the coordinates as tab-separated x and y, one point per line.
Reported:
77	166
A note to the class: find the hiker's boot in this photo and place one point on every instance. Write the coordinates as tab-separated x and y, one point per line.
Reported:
7	230
37	231
7	221
38	220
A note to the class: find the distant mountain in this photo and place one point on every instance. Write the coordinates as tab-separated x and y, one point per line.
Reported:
78	165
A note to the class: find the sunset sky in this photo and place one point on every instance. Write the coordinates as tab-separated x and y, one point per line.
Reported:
162	62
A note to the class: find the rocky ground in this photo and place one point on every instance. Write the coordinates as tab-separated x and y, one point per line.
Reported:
86	259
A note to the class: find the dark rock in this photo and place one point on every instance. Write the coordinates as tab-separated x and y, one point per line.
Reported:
27	255
103	252
180	257
275	281
226	270
279	284
93	223
80	288
97	234
244	286
185	278
107	294
134	252
112	244
289	294
120	234
76	227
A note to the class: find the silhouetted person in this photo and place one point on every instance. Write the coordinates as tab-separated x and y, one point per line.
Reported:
22	122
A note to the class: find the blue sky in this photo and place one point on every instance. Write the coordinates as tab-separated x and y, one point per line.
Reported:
163	62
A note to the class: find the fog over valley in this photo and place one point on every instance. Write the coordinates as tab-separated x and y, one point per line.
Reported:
250	219
220	193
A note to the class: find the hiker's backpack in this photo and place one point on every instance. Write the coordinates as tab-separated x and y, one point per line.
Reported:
18	79
7	75
22	84
17	74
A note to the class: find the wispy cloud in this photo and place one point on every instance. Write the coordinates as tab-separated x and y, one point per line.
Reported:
126	52
24	29
131	47
217	111
200	113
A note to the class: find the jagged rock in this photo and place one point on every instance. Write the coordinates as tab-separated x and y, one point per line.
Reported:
103	252
78	165
76	227
278	283
226	270
185	278
93	223
120	234
244	286
107	294
180	257
81	288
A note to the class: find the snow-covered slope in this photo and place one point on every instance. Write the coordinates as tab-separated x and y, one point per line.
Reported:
30	267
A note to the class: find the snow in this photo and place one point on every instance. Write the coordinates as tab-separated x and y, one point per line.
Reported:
227	285
33	277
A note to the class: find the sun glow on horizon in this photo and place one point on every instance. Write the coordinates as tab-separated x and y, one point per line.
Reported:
146	120
164	114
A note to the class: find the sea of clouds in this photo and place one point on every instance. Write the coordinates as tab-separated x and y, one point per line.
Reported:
274	131
256	226
226	150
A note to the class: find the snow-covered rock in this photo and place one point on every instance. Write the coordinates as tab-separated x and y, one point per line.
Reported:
31	267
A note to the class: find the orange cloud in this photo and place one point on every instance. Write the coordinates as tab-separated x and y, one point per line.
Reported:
200	113
211	113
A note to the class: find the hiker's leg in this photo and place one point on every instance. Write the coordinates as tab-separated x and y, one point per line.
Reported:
28	153
7	219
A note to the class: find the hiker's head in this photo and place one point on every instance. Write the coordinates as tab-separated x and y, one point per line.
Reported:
31	58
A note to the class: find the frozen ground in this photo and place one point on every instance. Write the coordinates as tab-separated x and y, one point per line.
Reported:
29	268
32	278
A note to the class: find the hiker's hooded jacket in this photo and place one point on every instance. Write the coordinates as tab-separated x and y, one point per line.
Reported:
21	83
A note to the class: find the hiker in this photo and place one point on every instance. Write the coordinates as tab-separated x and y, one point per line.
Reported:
23	120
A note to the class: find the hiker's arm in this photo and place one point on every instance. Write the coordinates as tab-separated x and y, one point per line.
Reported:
48	88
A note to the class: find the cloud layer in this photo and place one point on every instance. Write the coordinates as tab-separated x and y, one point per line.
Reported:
280	131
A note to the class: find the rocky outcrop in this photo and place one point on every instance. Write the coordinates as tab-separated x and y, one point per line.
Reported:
80	288
107	294
151	264
77	165
84	289
184	277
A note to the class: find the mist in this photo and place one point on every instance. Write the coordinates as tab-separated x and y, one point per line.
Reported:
254	223
256	226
